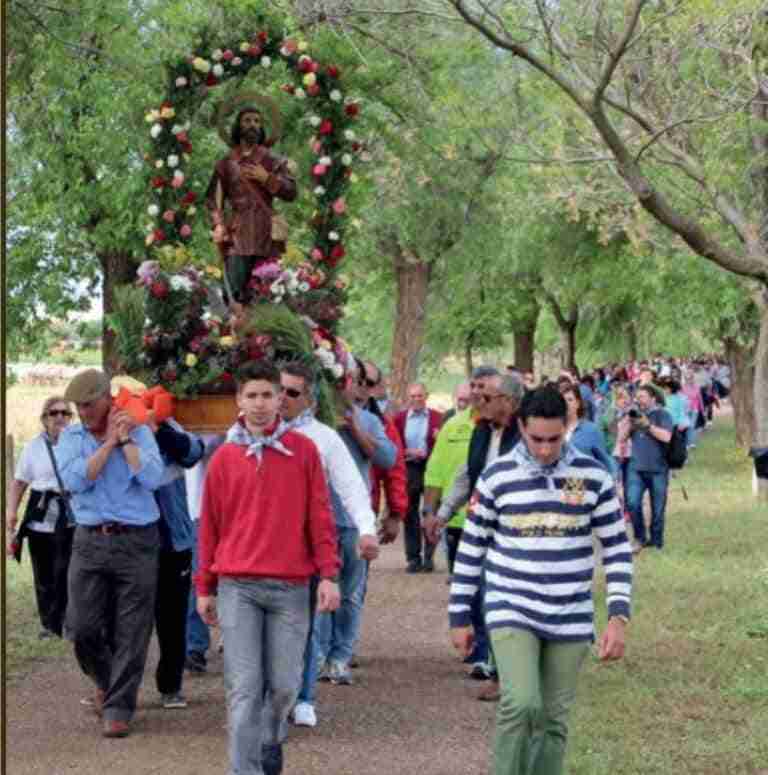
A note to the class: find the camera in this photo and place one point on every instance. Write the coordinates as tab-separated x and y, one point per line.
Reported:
633	414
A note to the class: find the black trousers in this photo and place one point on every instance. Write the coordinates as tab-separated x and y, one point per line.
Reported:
413	535
50	553
174	581
452	539
112	586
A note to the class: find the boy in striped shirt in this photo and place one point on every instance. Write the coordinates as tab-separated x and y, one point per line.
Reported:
530	532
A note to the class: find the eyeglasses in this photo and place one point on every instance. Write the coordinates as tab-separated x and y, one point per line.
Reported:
59	412
488	398
290	392
371	383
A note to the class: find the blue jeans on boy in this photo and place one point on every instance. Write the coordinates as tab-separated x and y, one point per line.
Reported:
198	635
336	633
309	676
656	483
264	623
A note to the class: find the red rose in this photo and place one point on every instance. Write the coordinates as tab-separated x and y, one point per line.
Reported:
263	37
186	147
226	376
158	235
313	90
352	109
314	67
227	55
158	289
356	147
189	198
211	80
254	51
333	71
159	182
305	66
338	252
166	104
182	137
169	375
326	127
288	88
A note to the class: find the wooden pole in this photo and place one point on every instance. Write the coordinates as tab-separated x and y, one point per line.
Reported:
9	464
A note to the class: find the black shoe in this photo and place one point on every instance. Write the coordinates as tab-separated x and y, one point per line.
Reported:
196	662
45	633
414	566
272	759
428	566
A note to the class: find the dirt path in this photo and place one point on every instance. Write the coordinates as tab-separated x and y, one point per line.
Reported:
410	711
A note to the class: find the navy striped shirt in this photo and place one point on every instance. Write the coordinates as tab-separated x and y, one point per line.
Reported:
529	531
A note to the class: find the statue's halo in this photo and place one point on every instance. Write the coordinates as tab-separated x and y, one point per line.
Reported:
229	106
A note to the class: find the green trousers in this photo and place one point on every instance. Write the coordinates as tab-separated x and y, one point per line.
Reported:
538	687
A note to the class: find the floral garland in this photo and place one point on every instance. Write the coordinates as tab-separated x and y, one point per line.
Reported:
177	349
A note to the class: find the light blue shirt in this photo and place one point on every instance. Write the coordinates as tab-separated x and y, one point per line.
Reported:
117	494
416	428
384	456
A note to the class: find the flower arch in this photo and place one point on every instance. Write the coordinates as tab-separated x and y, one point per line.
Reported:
188	344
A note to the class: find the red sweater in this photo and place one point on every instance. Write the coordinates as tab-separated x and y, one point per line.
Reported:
394	481
266	519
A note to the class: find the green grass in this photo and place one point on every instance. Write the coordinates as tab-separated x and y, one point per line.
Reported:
23	650
691	695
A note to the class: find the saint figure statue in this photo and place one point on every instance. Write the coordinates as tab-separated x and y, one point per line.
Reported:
240	197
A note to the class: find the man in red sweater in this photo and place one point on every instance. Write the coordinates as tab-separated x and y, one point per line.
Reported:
266	527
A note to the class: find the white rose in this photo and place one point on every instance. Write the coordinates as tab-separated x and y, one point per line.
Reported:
218	70
181	283
315	120
191	210
325	356
337	370
156	130
217	55
236	62
333	236
266	61
178	176
285	52
346	160
245	46
176	128
319	191
173	160
150	227
153	210
326	161
159	164
335	95
181	82
300	94
349	135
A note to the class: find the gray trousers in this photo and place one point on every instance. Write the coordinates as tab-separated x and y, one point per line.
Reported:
112	583
264	624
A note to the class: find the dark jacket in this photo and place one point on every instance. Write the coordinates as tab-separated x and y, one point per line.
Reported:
480	443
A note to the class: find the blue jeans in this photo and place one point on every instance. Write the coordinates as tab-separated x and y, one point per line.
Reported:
309	676
690	433
336	633
264	623
481	646
656	484
198	636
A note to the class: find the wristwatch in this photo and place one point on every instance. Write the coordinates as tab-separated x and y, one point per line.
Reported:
123	442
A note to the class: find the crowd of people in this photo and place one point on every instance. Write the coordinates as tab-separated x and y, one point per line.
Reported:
269	532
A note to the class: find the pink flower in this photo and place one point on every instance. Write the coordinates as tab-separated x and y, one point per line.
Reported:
317	147
169	215
185	230
319	170
339	206
227	55
317	254
313	90
177	181
148	272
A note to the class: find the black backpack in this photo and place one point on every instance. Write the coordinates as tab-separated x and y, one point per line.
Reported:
677	449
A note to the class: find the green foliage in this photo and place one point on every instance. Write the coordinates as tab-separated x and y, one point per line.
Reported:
126	321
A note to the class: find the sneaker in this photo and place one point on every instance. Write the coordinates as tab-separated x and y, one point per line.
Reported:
45	634
304	715
196	662
324	672
414	566
174	700
480	671
354	662
115	728
428	566
340	674
272	759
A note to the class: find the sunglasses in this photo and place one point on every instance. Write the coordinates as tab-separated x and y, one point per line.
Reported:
290	392
59	412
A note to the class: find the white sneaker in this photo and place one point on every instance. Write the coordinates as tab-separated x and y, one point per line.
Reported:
304	715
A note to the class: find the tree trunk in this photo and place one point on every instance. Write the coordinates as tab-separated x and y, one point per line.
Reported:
741	359
412	277
469	364
568	345
761	386
118	269
525	340
632	343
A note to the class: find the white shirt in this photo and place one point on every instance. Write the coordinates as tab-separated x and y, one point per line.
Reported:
342	474
35	468
195	477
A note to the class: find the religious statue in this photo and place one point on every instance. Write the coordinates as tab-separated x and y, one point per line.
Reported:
246	228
